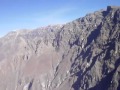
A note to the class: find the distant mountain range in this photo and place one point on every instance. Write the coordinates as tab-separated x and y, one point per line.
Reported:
81	55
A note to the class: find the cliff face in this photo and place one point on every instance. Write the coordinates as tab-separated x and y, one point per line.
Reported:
81	55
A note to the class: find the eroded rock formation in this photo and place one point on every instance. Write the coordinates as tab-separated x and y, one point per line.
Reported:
81	55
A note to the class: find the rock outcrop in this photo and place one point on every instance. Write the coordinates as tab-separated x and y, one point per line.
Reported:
80	55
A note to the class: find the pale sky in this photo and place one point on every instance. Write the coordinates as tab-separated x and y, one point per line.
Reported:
31	14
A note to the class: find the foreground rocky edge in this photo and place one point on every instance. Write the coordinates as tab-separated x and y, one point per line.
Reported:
81	55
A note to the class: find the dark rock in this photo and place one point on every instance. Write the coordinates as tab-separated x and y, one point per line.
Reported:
81	55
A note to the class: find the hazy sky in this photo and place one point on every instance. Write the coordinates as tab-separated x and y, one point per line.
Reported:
29	14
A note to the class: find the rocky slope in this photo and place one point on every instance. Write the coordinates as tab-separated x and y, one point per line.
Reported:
81	55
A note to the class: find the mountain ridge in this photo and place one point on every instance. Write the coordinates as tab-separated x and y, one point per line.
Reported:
80	55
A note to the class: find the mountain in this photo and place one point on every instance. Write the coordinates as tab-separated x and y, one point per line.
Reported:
80	55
